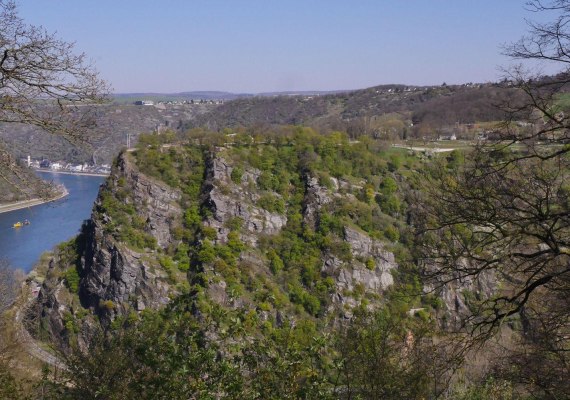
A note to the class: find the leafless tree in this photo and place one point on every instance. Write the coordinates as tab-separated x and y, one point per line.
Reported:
8	294
43	82
505	215
8	286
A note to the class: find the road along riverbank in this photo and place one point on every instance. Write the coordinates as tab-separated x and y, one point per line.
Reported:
18	205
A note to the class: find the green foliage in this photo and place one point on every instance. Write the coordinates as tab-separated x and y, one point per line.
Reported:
237	174
455	159
207	253
107	305
70	323
275	263
392	233
180	166
234	224
298	295
271	203
491	389
388	186
192	217
182	257
124	223
171	354
10	387
234	243
71	277
378	363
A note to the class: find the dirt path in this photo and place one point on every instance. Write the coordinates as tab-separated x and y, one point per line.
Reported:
427	149
30	345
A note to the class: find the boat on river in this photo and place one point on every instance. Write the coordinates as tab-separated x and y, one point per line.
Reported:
20	224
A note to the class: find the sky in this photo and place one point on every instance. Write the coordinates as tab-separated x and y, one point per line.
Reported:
253	46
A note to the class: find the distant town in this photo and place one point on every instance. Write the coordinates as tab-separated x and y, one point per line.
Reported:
176	102
62	166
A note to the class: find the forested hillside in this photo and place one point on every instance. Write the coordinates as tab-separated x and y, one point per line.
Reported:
238	263
388	111
265	249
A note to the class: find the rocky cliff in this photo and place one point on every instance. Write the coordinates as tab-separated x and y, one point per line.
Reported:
217	233
114	272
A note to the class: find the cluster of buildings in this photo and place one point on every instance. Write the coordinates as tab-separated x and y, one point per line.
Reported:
177	102
62	166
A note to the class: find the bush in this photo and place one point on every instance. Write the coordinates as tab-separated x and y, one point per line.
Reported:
71	277
207	253
107	305
236	175
392	233
272	203
275	263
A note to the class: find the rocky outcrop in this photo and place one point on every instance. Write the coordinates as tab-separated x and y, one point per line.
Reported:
369	271
363	247
117	279
228	200
114	277
460	296
316	197
155	201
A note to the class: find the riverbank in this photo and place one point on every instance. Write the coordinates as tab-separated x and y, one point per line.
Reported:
69	172
18	205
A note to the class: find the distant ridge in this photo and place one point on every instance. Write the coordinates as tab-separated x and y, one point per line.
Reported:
214	95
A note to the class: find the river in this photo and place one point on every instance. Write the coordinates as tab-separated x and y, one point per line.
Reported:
50	223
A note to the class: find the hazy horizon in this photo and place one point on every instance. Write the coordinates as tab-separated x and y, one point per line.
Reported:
257	46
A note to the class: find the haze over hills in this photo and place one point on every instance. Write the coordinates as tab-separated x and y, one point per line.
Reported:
212	95
394	111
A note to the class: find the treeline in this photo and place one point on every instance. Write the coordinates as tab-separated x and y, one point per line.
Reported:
427	109
177	354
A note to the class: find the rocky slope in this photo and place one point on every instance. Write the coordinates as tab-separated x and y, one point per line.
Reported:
140	249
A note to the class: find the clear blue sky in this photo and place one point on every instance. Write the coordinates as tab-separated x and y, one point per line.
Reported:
277	45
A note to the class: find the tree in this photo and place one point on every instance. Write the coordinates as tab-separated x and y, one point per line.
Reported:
501	221
10	388
42	79
43	82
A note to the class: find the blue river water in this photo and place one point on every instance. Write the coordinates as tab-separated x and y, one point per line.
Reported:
50	223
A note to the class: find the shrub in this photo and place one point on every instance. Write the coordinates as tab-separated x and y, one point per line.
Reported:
392	233
271	203
107	305
275	263
207	252
236	175
71	277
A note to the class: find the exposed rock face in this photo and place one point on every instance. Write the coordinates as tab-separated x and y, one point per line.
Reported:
362	246
316	197
228	200
458	294
372	278
115	277
52	311
155	201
